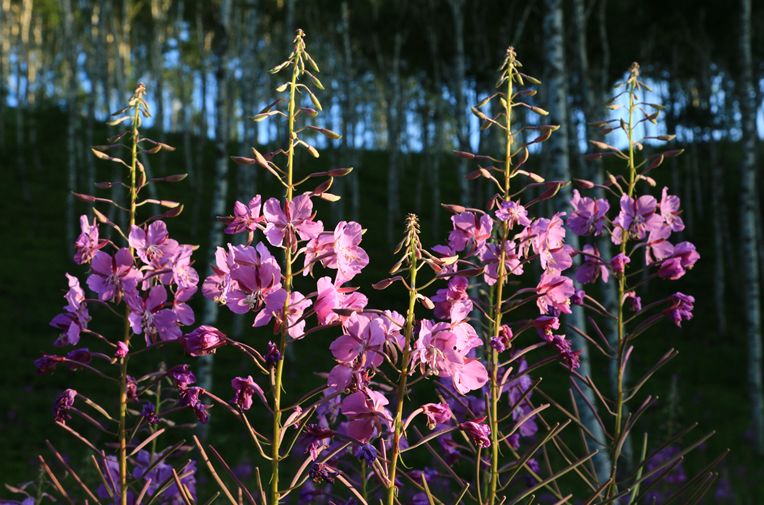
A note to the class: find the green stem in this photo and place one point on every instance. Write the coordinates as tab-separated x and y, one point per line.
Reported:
126	329
276	440
618	428
401	391
495	390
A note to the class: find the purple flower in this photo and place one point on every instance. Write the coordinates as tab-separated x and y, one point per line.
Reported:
366	413
669	207
436	413
592	266
88	243
636	301
244	388
190	397
443	349
122	350
554	292
82	355
637	218
47	363
322	472
153	244
203	341
64	404
257	275
182	376
295	217
75	317
546	325
658	247
148	316
245	217
502	340
547	234
570	358
155	473
148	412
513	214
112	275
478	431
446	300
366	452
330	297
681	307
469	228
272	355
363	341
132	388
683	257
490	256
338	250
588	215
618	263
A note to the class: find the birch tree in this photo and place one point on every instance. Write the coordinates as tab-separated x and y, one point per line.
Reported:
748	218
558	157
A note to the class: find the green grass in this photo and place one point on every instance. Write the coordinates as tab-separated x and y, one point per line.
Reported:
710	369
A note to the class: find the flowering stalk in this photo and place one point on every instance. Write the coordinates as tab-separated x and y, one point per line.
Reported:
276	440
135	103
632	85
411	242
495	387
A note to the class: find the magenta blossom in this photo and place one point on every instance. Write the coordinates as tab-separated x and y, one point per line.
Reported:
588	215
681	307
366	413
274	306
257	275
295	217
513	214
592	267
64	404
150	317
75	317
153	244
669	207
478	431
338	250
88	243
245	217
469	228
331	297
454	302
244	389
490	257
618	263
112	275
554	292
203	340
436	413
363	341
683	257
637	218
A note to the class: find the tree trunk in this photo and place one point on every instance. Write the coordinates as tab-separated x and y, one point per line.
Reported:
5	49
349	116
438	136
220	187
70	81
460	114
748	218
394	120
556	93
158	10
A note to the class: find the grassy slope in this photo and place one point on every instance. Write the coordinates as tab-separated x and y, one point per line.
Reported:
33	255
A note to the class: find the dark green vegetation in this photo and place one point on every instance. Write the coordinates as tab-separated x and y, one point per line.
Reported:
709	373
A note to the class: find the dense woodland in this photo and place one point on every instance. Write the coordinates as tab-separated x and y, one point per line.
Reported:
400	78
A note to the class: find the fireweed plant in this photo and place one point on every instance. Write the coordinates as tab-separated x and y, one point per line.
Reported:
425	381
142	278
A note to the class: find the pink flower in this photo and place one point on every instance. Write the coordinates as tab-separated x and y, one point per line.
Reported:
274	306
338	250
75	317
618	263
554	292
150	316
112	275
203	341
469	228
637	218
88	241
296	216
592	267
437	413
683	258
363	341
658	247
366	414
245	217
153	244
257	274
454	302
244	389
513	213
478	431
443	349
588	215
331	297
490	258
669	207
